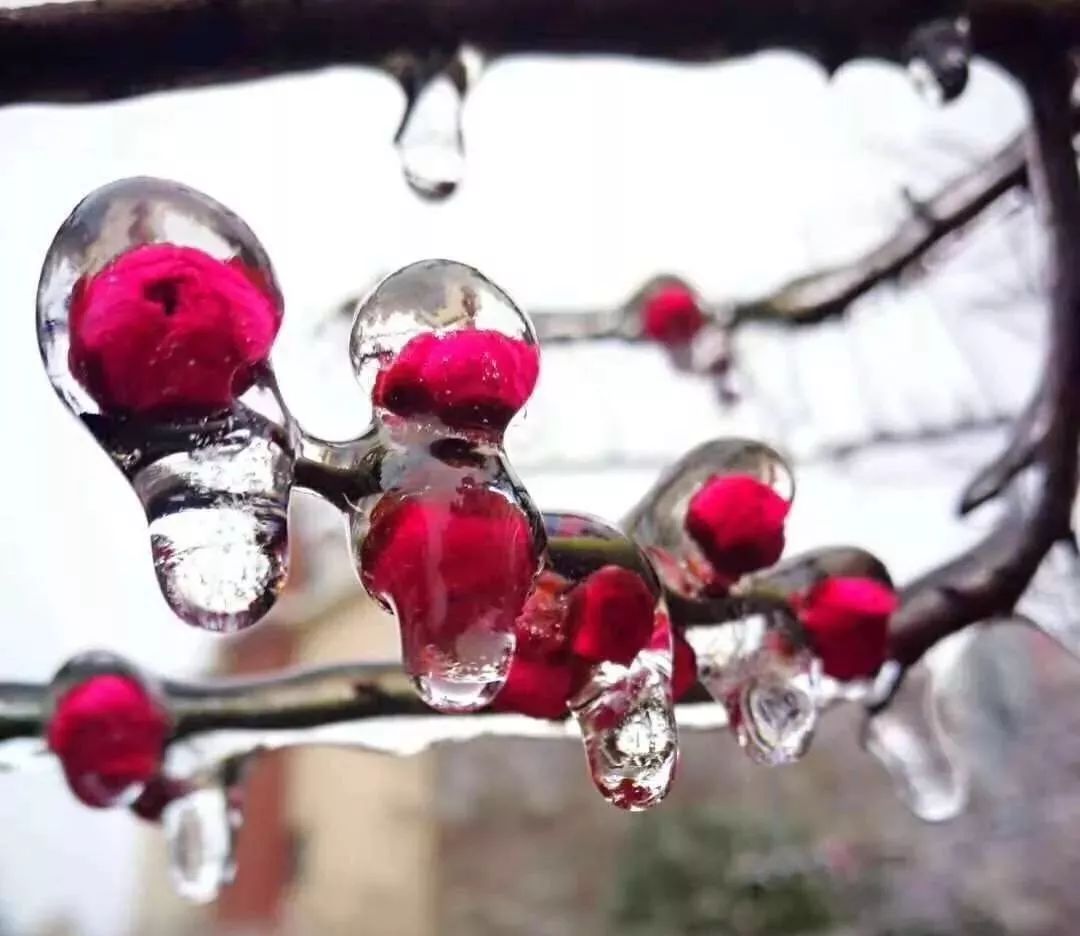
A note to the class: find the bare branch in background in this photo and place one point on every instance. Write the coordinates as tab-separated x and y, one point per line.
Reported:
1027	437
990	578
828	293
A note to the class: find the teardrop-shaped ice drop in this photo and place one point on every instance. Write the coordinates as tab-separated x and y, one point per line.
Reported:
157	310
776	718
200	840
760	669
715	515
439	346
630	736
455	565
614	626
939	58
908	740
429	141
218	521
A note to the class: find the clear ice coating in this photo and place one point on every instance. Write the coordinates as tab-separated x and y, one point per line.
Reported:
629	732
429	140
157	307
625	710
445	536
201	828
441	344
658	520
939	58
1052	600
455	565
760	669
909	739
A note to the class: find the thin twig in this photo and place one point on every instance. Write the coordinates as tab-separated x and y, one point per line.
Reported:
825	294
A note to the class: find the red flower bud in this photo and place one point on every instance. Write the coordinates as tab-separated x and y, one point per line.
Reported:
847	622
473	379
449	562
611	616
165	328
739	524
538	688
109	735
671	315
542	626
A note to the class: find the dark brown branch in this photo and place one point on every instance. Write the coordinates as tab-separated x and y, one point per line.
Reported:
989	579
828	293
1027	436
102	49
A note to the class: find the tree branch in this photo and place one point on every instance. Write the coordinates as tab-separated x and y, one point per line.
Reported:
365	705
989	579
104	49
828	293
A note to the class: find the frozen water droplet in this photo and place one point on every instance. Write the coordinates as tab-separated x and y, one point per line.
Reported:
200	839
217	519
908	739
448	540
429	141
938	59
760	669
454	692
157	309
659	519
984	702
129	255
630	736
615	616
471	675
440	347
455	565
778	718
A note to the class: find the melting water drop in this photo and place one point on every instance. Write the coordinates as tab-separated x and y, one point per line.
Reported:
908	739
777	720
938	59
455	566
157	309
630	736
760	669
218	523
201	827
429	141
616	618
